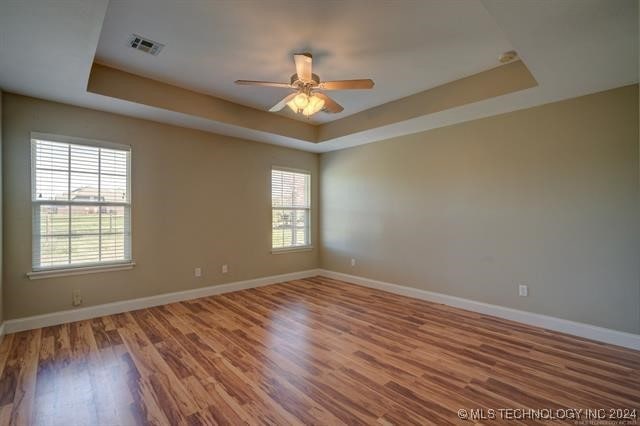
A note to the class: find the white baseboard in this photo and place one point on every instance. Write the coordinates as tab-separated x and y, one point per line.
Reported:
588	331
606	335
30	323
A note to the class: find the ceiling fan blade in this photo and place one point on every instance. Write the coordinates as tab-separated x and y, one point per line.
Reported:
347	84
329	104
304	63
283	103
262	83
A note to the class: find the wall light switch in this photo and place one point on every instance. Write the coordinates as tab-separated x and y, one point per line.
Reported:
353	262
523	290
225	269
197	272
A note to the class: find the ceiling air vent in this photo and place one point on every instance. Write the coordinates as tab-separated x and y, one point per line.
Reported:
144	44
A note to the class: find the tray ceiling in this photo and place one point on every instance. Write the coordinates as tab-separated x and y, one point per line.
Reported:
413	50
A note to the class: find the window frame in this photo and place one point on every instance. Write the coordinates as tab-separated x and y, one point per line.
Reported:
309	245
38	272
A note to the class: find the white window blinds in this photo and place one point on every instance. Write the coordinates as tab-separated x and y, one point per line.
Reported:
291	209
81	204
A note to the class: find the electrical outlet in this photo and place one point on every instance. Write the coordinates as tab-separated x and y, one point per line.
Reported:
225	268
353	262
523	290
76	298
197	272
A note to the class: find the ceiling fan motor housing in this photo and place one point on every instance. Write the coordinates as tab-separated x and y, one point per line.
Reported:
297	82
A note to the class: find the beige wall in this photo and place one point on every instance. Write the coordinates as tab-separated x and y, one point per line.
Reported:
1	225
198	200
546	197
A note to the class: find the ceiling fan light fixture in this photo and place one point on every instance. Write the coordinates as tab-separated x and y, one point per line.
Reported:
315	104
291	104
301	100
308	111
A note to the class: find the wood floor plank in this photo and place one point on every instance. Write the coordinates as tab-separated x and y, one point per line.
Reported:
312	351
5	349
24	396
5	414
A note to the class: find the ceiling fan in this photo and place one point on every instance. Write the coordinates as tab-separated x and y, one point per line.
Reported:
307	99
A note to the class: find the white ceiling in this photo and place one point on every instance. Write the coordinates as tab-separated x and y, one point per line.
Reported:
405	47
572	47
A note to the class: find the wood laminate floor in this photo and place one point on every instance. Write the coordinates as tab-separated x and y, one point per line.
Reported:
314	351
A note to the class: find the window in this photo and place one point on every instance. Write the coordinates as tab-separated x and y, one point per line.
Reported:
81	203
291	209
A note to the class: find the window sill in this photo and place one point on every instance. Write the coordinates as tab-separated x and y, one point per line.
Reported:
53	273
291	249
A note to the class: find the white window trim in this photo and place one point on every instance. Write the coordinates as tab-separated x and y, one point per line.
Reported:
291	249
80	270
82	141
285	250
84	268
